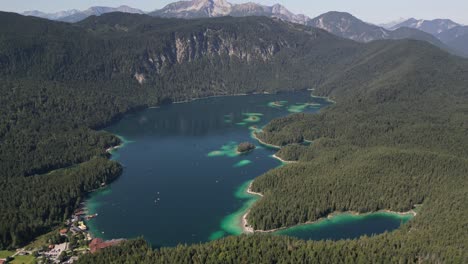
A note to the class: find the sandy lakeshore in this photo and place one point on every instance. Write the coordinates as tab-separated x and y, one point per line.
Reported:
284	161
109	150
264	143
245	225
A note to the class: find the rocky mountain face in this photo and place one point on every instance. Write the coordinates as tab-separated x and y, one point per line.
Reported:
178	46
277	11
74	15
216	8
338	23
208	43
194	9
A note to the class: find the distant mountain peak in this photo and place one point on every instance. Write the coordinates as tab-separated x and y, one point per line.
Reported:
348	26
99	10
51	16
196	8
280	9
74	15
339	14
393	23
215	8
210	4
434	27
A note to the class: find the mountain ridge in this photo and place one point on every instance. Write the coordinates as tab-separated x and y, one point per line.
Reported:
348	26
214	8
433	27
452	34
341	24
74	15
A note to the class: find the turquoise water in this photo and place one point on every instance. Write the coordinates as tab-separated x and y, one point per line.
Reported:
183	180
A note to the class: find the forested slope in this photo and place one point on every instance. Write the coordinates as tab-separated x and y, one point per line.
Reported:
395	138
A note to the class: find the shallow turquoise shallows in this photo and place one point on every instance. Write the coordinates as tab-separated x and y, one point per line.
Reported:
183	181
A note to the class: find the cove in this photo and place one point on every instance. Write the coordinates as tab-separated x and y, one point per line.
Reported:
347	226
334	227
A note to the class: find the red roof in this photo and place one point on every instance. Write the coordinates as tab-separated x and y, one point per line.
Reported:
97	244
80	212
95	241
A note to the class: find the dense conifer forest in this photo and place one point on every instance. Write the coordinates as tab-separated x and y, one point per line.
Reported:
397	141
395	138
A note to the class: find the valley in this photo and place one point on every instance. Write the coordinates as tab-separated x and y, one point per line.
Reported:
394	139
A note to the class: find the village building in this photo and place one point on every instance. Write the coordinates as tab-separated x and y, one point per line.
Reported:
82	226
63	232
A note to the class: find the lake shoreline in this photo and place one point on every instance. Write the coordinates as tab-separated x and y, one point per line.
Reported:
264	143
123	142
109	150
84	204
328	99
212	96
248	229
275	147
284	161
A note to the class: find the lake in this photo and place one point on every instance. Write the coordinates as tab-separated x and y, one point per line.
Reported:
183	181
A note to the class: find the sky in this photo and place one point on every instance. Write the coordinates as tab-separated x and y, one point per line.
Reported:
374	11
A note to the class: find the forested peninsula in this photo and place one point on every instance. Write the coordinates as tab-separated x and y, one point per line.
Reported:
395	138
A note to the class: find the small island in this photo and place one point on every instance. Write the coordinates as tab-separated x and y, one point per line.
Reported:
245	147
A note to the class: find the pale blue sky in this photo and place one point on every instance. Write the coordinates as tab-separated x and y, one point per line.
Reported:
374	11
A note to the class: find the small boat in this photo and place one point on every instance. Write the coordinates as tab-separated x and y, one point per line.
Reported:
88	217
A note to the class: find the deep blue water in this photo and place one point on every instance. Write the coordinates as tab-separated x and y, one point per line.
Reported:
172	191
182	177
